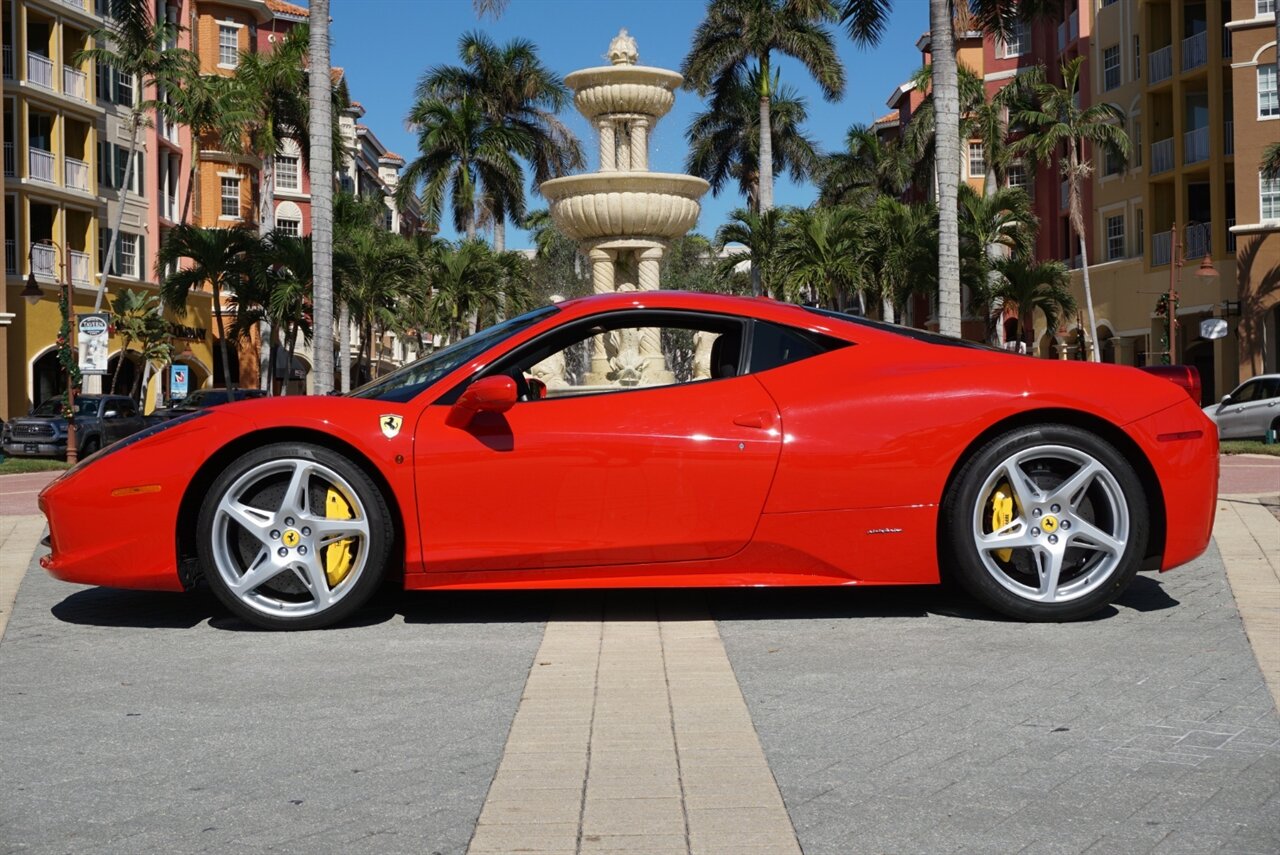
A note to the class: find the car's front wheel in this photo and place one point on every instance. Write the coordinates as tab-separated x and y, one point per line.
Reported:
294	536
1047	523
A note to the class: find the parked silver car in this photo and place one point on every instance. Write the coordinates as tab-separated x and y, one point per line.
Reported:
1251	410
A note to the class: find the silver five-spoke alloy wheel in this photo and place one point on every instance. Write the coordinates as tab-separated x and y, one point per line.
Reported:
1069	525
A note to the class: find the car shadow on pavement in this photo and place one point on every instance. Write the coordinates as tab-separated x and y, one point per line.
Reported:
113	607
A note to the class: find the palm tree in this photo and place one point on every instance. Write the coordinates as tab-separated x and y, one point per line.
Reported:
136	45
130	311
992	227
900	251
352	215
465	280
219	259
822	253
947	156
209	105
724	141
1028	286
380	271
1055	123
465	156
320	148
277	290
736	34
867	168
1271	161
761	233
513	89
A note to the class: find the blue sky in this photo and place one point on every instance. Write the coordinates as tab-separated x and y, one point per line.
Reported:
385	45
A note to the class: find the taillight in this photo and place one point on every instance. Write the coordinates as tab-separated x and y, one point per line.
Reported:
1185	376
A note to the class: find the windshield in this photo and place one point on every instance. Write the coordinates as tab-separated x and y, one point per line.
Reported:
53	407
404	383
906	332
203	398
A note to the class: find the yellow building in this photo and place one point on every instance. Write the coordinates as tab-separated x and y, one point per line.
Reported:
58	126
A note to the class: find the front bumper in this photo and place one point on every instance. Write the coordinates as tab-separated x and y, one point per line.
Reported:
37	448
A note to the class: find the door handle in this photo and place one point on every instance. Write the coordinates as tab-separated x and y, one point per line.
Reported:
762	419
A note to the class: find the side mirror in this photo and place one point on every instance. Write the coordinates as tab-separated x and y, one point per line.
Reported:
1226	399
487	395
111	414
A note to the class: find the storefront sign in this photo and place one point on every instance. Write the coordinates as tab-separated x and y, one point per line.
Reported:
178	380
186	333
94	346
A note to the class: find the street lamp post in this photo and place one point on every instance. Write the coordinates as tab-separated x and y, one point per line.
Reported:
1206	271
32	294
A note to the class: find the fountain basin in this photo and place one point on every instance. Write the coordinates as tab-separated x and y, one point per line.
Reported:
635	89
641	204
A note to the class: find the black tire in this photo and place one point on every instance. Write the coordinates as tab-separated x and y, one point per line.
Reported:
90	446
1003	579
227	542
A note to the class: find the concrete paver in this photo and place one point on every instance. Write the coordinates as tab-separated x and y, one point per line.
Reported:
1248	535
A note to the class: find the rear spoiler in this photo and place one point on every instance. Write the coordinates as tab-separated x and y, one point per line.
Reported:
1185	376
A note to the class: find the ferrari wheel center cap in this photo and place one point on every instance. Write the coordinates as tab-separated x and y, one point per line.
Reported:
1049	524
291	538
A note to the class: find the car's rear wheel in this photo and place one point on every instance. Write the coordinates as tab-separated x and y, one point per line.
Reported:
294	536
1047	523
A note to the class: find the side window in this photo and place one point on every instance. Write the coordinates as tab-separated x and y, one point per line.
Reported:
127	409
625	351
773	345
1247	392
1271	388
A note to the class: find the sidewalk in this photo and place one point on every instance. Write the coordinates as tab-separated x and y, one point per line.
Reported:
21	527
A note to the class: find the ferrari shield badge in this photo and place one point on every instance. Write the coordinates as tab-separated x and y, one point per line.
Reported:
390	425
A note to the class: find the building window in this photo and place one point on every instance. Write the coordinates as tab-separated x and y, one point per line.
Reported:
1137	58
1268	101
1137	141
1270	190
231	197
112	160
1266	7
1016	176
292	228
228	45
977	162
1109	2
1142	231
1115	237
287	173
1112	162
1017	43
127	255
1111	67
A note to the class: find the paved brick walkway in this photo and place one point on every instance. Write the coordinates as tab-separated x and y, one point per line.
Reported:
1249	474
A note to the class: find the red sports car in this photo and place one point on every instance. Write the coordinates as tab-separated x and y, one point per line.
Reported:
655	439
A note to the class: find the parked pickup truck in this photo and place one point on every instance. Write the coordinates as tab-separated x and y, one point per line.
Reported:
200	399
100	421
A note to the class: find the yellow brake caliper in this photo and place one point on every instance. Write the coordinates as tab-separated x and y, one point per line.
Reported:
337	556
1002	515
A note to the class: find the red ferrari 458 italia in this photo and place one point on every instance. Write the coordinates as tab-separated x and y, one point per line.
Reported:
657	439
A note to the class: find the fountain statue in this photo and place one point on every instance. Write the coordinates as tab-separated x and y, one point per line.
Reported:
624	215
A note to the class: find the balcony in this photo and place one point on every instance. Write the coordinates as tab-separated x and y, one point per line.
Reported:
1195	145
1226	44
1195	51
1161	248
40	70
1161	64
74	4
1162	156
44	258
1198	240
8	62
79	268
40	164
76	173
10	256
74	83
10	160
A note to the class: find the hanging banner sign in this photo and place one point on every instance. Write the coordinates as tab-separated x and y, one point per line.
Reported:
94	346
178	379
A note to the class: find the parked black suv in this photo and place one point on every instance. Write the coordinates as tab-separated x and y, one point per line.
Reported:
100	421
200	399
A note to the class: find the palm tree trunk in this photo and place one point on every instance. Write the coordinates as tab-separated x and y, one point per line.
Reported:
189	199
267	333
499	246
344	346
288	371
766	138
321	142
886	309
1077	222
946	96
135	122
115	375
222	339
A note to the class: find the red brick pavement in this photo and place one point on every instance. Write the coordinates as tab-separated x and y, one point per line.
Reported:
18	492
1249	473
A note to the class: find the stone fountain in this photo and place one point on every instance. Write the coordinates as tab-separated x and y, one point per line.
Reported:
624	215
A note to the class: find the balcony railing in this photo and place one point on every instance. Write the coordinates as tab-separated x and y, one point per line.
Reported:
74	83
10	160
1231	238
43	260
1195	145
1162	156
1195	51
8	62
1229	136
1073	26
1161	248
1161	62
1064	196
1226	44
79	267
10	256
74	4
76	173
165	129
40	70
40	164
1198	242
1062	37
